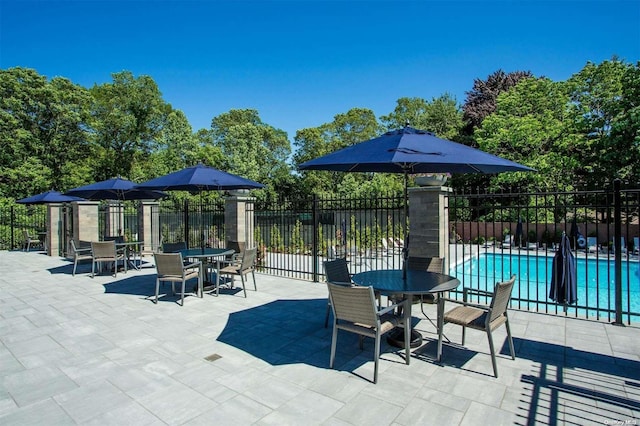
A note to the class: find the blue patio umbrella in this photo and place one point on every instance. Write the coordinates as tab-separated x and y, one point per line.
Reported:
564	289
409	151
199	178
114	189
49	197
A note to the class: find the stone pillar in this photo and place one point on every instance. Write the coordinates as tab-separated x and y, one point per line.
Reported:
239	219
429	222
149	226
55	228
85	221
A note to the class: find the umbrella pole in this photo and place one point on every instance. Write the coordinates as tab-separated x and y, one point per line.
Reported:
405	248
201	225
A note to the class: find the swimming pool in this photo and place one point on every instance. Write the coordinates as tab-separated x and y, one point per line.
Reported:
595	279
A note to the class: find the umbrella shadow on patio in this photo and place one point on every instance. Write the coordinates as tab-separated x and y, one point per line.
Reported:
84	267
594	382
292	332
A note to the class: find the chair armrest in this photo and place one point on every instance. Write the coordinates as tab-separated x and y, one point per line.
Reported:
467	290
192	265
472	305
393	306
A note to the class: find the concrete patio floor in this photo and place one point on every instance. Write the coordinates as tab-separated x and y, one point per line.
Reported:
76	350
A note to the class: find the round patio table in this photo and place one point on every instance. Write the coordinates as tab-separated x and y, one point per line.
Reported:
209	257
409	283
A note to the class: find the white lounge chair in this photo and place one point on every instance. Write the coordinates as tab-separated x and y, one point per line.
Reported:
592	245
508	241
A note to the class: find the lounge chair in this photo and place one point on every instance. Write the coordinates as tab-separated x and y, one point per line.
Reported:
592	245
508	241
636	245
355	311
486	318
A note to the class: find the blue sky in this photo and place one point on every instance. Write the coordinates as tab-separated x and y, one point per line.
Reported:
299	63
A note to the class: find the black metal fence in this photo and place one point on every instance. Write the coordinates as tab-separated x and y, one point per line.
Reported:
294	237
297	235
496	235
18	218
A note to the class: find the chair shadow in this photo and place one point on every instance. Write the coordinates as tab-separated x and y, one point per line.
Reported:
84	268
292	332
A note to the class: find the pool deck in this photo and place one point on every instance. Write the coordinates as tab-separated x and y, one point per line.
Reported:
77	350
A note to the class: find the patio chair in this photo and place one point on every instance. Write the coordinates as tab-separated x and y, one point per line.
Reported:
429	264
238	248
354	310
105	251
337	272
246	265
29	240
636	245
81	251
482	317
171	267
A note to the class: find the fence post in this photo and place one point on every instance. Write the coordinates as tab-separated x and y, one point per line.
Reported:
13	227
316	226
617	247
186	223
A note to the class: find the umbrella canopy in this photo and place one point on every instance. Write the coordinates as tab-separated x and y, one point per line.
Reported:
199	178
114	189
564	288
410	151
49	197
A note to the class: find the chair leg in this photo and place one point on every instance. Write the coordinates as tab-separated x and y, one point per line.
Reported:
93	265
243	287
183	283
255	287
493	353
334	341
157	289
75	264
464	330
513	352
376	357
407	339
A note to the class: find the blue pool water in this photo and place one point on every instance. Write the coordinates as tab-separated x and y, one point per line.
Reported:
596	282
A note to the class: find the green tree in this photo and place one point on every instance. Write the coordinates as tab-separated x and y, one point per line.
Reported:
599	95
352	127
251	148
128	115
533	125
42	132
440	116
